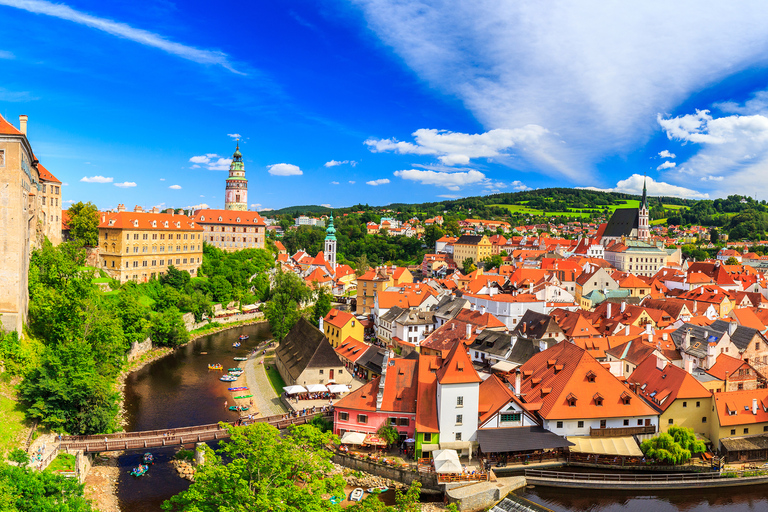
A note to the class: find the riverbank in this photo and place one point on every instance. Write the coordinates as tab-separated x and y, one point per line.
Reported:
101	482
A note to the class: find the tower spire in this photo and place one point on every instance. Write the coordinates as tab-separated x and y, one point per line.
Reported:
644	201
330	243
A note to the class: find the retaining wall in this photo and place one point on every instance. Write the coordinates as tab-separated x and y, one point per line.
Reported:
481	496
648	486
428	480
139	348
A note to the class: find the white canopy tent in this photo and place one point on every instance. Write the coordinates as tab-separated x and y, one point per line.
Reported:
446	461
353	438
338	388
292	390
316	388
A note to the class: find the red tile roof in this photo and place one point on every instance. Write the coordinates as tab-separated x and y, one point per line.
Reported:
7	128
352	349
400	390
45	174
228	217
662	383
493	395
426	406
457	367
725	364
338	318
145	220
735	407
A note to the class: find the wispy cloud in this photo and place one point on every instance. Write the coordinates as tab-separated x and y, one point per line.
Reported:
634	185
234	135
284	170
449	196
334	163
666	165
376	183
334	183
96	179
126	184
175	187
326	205
15	96
144	37
6	55
351	182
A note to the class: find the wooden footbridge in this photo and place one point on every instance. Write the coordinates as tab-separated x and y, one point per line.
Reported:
174	436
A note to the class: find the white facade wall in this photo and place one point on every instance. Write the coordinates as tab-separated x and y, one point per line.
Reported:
411	333
448	410
495	420
570	427
508	312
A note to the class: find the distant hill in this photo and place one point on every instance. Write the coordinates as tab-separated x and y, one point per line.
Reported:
311	209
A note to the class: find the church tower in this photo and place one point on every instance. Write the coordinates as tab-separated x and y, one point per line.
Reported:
330	244
236	194
643	225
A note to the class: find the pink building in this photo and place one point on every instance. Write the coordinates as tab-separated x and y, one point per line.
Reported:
387	400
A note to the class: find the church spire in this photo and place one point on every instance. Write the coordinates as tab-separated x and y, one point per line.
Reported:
644	201
330	243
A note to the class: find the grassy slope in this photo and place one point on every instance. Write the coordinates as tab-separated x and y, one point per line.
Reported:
14	426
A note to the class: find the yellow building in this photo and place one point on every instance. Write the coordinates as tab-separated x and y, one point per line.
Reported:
377	280
50	202
139	245
340	325
738	414
231	230
471	246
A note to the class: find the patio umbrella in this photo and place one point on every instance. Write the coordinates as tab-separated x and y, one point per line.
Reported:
337	388
410	440
316	388
353	438
292	390
447	466
373	440
445	455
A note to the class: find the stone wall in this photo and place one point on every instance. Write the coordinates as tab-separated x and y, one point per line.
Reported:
139	348
189	319
428	480
483	495
83	465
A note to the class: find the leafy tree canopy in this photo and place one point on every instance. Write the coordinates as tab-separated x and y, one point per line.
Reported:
84	223
26	490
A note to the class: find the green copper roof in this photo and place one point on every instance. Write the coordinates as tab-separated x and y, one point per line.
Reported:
330	232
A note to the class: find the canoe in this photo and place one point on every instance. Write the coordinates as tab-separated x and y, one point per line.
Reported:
243	396
237	369
335	500
377	490
239	388
234	407
356	495
236	344
240	358
228	378
243	337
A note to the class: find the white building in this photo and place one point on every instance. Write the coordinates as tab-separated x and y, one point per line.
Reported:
458	400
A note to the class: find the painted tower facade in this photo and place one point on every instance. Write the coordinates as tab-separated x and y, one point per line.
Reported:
643	222
330	244
236	194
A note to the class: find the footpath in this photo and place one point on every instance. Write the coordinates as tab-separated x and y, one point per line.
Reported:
265	399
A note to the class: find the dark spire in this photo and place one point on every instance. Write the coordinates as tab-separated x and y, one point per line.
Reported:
644	201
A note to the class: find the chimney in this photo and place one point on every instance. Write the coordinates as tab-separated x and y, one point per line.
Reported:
138	209
23	124
725	384
754	406
608	311
518	382
623	306
320	324
121	207
687	339
732	328
482	310
664	336
626	331
469	331
103	218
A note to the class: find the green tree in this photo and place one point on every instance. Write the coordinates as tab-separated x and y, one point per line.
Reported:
674	446
282	310
221	290
714	236
468	265
732	261
389	434
432	234
133	314
168	328
259	469
362	265
322	306
175	278
24	489
84	223
492	262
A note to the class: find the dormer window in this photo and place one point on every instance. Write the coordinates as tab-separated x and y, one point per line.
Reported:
154	223
165	224
202	218
238	219
626	398
135	223
591	376
598	398
219	218
571	399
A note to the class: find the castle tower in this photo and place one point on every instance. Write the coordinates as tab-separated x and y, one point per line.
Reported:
236	194
643	224
330	244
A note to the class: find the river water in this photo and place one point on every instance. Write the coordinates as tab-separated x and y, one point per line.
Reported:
178	391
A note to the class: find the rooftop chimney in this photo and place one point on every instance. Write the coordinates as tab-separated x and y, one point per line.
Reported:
754	406
23	124
626	331
608	311
518	382
469	331
623	306
320	322
121	207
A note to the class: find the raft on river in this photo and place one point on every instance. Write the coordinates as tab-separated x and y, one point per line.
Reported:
228	378
216	366
239	388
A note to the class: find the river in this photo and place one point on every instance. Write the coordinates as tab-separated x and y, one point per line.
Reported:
177	391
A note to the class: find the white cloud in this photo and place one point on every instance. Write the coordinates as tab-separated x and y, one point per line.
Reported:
666	165
4	54
96	179
211	161
733	145
68	201
334	183
327	205
449	196
201	195
256	205
666	154
175	187
351	182
125	31
519	185
376	183
592	73
162	179
454	148
334	163
65	184
284	170
15	96
634	185
450	180
201	206
234	135
126	184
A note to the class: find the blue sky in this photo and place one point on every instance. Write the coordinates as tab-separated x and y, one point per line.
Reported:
380	101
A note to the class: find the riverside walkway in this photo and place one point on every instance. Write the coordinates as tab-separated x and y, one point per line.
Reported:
648	482
173	436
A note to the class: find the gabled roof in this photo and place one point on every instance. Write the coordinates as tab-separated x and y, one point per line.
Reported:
146	220
534	325
338	318
469	240
496	343
725	365
352	349
482	320
735	407
45	174
560	373
426	405
305	346
661	383
399	393
445	337
7	128
457	367
621	223
748	318
493	395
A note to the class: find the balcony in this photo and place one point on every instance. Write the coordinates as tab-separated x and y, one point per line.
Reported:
622	431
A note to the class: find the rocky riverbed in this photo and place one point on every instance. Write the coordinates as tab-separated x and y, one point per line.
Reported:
101	482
